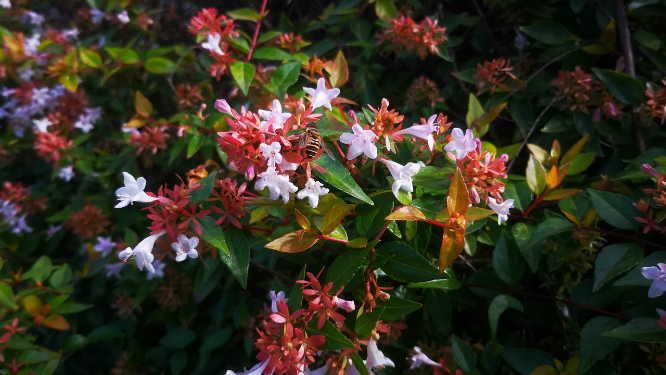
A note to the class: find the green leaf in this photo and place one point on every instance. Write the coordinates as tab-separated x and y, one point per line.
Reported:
462	354
358	364
474	110
385	10
576	7
70	308
617	210
244	14
125	55
286	75
160	65
371	219
177	148
576	205
580	163
238	259
583	293
447	284
201	194
296	295
338	176
530	239
335	340
344	267
90	58
614	260
195	144
403	264
19	342
178	362
647	39
507	260
519	191
500	304
268	35
625	88
557	124
212	234
178	338
215	340
393	309
62	276
243	74
40	270
547	32
535	175
635	276
7	296
594	346
270	53
641	330
525	360
74	342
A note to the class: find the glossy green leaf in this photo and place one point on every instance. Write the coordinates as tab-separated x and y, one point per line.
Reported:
594	346
635	276
359	365
178	338
614	260
403	264
547	32
286	75
201	194
580	163
335	340
270	53
195	144
160	65
338	176
500	304
215	340
90	58
243	74
393	309
238	259
617	210
624	87
7	296
647	39
519	191
535	175
345	266
296	295
463	354
641	330
212	234
507	260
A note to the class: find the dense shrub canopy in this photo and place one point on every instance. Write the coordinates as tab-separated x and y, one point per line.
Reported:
345	187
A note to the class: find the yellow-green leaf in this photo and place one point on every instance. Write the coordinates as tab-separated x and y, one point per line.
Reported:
90	58
458	199
334	217
70	81
535	176
142	105
339	72
409	213
574	150
290	242
560	194
474	110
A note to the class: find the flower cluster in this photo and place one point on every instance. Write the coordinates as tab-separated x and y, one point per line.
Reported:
421	38
656	103
492	74
16	203
218	31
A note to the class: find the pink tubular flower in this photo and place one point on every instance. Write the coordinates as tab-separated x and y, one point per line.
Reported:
462	143
423	131
360	142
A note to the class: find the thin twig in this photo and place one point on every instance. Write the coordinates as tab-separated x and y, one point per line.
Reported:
527	137
485	24
627	53
180	59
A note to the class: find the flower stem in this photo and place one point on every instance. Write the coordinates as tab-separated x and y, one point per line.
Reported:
256	31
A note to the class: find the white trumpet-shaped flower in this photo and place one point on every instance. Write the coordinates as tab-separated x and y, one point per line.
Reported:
360	142
185	247
501	209
271	153
320	96
462	143
313	190
133	191
376	359
423	131
402	175
278	185
213	44
143	252
258	369
42	125
419	359
275	113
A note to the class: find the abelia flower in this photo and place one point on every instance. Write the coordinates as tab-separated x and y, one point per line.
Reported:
462	143
348	306
376	359
52	230
113	269
402	175
33	18
185	247
158	272
275	114
152	137
42	125
492	74
123	17
271	153
97	15
501	209
222	106
321	97
422	38
66	173
213	44
257	369
275	298
20	226
104	245
313	190
5	4
419	359
133	191
360	142
424	131
658	277
142	253
278	185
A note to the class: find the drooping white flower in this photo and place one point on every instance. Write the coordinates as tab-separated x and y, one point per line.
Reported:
5	4
258	369
278	185
360	142
20	226
42	125
275	113
402	175
133	191
275	298
320	96
143	252
376	359
423	131
113	269
271	153
158	270
185	247
66	173
419	359
123	17
97	15
104	245
213	43
313	190
462	143
501	209
33	18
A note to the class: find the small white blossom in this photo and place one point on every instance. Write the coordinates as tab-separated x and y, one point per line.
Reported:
5	4
423	131
185	247
31	44
275	298
133	191
123	17
360	142
97	15
275	113
419	359
71	33
313	190
376	359
42	125
502	209
258	369
320	96
271	153
104	245
462	143
158	270
402	175
66	173
114	269
33	18
278	185
143	252
213	43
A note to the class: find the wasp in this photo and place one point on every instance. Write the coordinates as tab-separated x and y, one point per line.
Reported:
312	141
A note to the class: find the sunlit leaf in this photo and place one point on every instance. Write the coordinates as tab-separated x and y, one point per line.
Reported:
458	199
452	245
407	213
142	105
290	242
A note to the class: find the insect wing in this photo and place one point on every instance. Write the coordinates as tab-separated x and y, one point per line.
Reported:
325	147
303	140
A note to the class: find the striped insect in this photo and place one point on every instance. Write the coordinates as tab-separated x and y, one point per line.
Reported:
312	141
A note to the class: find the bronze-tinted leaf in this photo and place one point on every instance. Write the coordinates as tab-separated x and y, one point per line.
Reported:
458	200
452	245
290	243
409	213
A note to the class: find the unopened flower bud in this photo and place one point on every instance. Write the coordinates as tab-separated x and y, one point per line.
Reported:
384	296
504	158
222	106
474	196
647	169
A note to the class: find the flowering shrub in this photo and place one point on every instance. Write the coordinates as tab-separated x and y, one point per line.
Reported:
348	188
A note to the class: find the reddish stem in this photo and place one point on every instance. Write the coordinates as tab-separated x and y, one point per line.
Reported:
256	31
322	237
173	126
269	231
536	201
